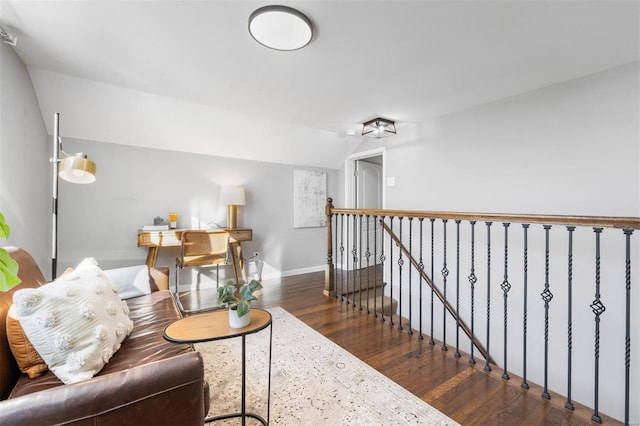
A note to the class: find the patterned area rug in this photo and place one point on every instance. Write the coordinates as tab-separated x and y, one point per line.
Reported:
313	382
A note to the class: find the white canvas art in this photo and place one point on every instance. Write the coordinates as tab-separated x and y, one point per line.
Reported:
309	198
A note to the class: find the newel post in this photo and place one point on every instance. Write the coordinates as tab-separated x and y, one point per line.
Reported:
329	285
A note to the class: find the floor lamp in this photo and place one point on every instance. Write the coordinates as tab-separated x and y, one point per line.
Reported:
72	168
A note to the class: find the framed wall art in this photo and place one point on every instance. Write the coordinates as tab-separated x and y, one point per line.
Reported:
309	198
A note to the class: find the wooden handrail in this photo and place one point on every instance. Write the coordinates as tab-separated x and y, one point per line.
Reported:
437	292
593	221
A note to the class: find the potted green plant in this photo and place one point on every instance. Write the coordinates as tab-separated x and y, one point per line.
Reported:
8	266
237	298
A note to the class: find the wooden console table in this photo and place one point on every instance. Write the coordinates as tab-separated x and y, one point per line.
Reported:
156	240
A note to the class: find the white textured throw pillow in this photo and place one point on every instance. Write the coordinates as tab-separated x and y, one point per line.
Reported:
76	323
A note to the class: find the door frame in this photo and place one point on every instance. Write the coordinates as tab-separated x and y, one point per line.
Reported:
349	167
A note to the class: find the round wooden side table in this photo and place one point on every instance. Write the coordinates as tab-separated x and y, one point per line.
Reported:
210	326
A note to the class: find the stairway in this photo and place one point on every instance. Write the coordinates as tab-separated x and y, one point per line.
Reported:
366	293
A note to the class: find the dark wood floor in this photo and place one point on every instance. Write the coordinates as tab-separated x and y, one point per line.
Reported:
465	393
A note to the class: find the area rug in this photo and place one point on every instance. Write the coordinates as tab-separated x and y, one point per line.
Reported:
313	381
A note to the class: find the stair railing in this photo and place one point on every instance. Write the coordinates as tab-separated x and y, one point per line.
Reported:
452	311
399	274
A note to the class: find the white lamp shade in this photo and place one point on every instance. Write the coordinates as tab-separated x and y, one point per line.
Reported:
232	195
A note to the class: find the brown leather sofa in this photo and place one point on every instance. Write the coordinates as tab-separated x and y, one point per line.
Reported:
149	381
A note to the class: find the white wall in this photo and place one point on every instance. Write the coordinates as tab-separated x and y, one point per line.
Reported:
136	118
134	185
25	171
571	148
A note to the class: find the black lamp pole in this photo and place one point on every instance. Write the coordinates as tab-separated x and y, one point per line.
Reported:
54	206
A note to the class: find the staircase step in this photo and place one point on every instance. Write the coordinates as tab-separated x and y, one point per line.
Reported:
383	302
359	279
350	287
378	303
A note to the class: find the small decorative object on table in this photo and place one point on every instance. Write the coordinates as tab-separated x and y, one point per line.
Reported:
173	220
237	298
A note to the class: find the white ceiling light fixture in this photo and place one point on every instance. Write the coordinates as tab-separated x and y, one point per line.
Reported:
379	128
280	28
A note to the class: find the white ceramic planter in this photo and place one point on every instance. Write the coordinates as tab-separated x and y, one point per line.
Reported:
238	322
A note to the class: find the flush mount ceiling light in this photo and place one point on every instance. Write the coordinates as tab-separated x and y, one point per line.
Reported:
379	128
280	28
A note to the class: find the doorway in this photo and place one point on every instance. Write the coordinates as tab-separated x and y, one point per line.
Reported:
368	183
364	177
365	190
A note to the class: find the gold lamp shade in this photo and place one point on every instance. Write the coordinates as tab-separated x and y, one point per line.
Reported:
77	169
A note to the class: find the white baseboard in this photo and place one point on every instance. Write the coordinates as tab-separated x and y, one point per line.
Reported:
271	274
300	271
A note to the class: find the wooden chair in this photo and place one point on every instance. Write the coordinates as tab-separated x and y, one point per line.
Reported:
201	249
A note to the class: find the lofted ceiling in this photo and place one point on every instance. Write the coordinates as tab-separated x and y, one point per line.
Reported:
187	76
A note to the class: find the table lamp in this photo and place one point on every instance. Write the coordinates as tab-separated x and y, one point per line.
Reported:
232	196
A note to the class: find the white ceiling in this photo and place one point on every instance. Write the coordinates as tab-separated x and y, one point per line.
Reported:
187	76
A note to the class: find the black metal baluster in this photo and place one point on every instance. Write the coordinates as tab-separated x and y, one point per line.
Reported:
410	331
354	259
335	250
342	265
375	265
457	353
382	260
472	281
368	257
348	292
568	404
445	273
627	338
391	270
421	270
400	265
546	296
487	367
525	229
505	294
598	309
360	261
431	341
